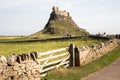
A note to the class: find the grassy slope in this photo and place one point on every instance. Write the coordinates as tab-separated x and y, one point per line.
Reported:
18	48
77	73
61	28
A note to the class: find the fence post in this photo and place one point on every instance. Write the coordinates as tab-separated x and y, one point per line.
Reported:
72	55
77	56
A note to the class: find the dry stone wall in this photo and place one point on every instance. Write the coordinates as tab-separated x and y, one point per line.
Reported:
20	67
86	54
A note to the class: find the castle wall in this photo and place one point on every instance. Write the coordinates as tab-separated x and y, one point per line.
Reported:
62	13
58	12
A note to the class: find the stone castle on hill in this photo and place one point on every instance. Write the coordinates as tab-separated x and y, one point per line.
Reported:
60	23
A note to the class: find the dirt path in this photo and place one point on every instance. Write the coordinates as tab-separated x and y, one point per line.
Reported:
111	72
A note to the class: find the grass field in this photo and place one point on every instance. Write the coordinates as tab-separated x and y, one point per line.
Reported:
9	37
27	47
76	73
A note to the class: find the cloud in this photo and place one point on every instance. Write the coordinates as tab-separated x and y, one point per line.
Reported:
93	15
7	4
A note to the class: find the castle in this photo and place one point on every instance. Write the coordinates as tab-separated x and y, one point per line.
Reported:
56	11
60	23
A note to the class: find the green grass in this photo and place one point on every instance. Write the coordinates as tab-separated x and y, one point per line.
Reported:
27	47
76	73
9	37
13	38
61	28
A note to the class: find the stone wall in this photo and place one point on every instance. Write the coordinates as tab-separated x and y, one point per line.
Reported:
20	67
86	54
62	13
58	12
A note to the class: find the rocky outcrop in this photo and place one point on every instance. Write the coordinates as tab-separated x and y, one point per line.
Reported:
64	16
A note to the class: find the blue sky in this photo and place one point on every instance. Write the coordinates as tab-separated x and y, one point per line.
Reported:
24	17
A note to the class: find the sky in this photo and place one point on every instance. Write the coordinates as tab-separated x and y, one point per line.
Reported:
25	17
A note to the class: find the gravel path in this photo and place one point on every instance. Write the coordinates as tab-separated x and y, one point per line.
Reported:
111	72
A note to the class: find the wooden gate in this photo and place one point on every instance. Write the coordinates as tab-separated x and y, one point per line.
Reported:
53	59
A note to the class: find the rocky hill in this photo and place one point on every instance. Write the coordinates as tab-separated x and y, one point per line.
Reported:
60	23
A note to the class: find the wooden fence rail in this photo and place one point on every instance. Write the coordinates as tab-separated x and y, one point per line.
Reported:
53	59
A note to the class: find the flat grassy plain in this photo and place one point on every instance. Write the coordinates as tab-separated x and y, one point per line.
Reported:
41	46
9	37
77	73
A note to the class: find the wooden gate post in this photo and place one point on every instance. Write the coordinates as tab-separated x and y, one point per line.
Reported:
72	55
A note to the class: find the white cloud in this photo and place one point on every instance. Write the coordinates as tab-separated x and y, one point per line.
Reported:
93	15
108	23
7	4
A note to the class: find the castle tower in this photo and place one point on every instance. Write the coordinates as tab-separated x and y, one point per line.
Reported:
55	8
